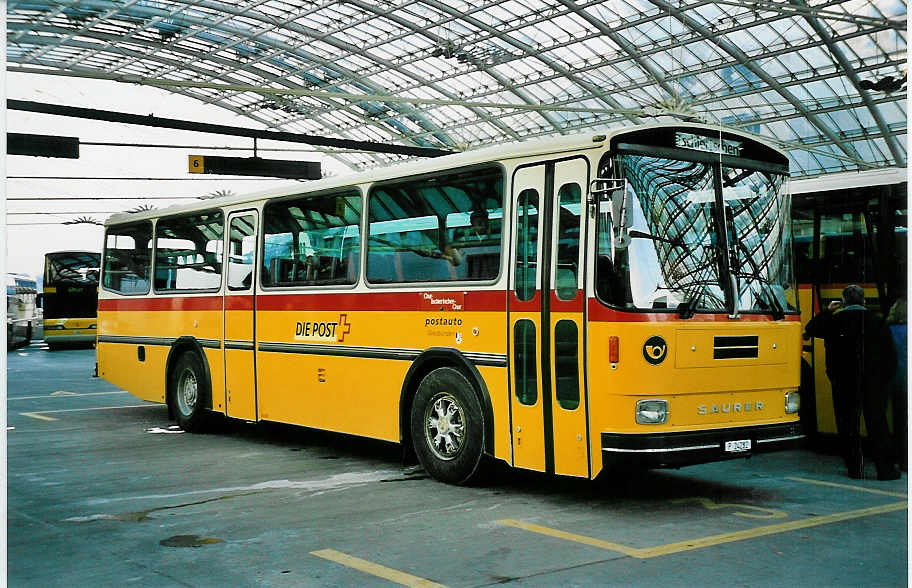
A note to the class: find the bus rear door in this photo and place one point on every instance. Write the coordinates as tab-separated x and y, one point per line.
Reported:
240	327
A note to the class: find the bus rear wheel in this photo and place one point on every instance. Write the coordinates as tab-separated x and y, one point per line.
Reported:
447	427
188	390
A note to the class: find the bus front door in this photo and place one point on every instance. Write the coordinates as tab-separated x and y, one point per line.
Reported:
240	302
548	398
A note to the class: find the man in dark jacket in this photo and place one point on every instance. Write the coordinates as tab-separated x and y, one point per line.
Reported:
860	359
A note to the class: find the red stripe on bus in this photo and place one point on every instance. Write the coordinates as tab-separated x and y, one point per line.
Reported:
481	300
598	312
162	303
533	305
573	305
239	302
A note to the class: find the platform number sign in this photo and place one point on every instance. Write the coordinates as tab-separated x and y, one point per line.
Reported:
196	164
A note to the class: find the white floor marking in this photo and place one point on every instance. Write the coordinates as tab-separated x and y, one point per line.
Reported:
65	395
171	429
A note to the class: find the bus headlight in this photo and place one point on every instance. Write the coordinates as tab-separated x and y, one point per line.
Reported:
792	402
93	326
651	412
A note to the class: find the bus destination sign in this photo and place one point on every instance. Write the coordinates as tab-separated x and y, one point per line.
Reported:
708	144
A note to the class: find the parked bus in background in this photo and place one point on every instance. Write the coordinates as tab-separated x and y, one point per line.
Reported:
563	306
849	229
21	309
70	298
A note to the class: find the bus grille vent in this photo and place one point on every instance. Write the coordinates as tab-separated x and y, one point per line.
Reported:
741	347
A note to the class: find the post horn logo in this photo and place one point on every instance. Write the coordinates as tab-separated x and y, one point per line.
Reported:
655	349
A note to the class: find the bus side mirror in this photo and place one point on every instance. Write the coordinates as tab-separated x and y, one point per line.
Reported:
621	216
611	195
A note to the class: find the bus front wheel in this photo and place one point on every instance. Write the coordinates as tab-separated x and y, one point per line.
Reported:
447	426
189	389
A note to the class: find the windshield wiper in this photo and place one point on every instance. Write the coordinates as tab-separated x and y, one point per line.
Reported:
767	296
634	234
688	307
777	311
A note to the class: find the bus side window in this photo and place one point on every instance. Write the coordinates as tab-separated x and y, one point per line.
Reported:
436	229
568	238
127	258
241	249
526	244
312	241
188	251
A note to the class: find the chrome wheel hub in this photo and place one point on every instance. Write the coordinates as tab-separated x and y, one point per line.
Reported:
444	427
187	392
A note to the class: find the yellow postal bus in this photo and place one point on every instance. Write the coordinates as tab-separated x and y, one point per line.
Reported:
70	298
562	306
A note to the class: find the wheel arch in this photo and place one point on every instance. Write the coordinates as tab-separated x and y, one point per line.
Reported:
428	361
180	346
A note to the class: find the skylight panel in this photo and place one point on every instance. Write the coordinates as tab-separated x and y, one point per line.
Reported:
748	40
893	112
706	52
780	130
849	121
547	92
872	150
454	56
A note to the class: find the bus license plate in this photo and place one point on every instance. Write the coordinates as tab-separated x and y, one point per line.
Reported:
737	446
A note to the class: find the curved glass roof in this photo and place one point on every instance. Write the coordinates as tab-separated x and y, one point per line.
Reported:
823	80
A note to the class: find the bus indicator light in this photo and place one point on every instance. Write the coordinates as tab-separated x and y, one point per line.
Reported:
614	352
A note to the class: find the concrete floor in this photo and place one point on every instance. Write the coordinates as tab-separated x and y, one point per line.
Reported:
102	492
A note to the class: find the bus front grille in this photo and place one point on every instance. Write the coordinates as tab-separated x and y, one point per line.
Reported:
738	347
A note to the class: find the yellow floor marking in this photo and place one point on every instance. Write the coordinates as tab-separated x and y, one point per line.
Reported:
375	569
759	511
631	551
847	486
38	416
688	545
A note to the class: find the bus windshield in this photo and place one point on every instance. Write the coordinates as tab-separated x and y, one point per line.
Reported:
72	267
71	284
678	249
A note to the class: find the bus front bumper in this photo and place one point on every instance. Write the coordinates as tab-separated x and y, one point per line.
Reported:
671	450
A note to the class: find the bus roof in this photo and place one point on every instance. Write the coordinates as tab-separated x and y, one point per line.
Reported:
849	180
538	147
70	252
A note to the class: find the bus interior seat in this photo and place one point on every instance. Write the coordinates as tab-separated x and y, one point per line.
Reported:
482	265
416	267
381	267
